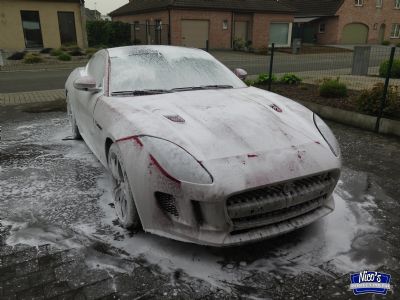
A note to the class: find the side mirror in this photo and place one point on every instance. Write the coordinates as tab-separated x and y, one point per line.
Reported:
86	83
242	74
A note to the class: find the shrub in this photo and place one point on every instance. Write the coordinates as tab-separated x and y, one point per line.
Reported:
239	44
76	52
17	56
369	101
290	78
46	50
32	58
383	69
111	34
332	88
90	51
264	78
250	82
64	57
56	52
386	43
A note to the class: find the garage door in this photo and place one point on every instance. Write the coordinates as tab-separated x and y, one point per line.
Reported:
355	34
194	33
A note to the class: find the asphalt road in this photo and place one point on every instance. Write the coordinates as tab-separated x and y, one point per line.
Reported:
38	80
54	191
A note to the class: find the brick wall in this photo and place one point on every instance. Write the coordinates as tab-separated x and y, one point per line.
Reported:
331	34
219	38
369	15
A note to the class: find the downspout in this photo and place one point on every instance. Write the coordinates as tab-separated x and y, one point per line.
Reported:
232	28
83	23
169	25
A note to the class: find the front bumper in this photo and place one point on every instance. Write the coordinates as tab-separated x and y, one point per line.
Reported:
248	216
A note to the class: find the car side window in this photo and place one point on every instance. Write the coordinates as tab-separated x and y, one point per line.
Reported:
96	68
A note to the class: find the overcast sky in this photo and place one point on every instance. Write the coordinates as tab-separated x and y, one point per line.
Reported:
105	6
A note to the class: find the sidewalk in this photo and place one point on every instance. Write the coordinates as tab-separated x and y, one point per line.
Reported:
10	99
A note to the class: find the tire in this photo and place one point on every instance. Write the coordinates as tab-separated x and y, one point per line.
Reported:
124	203
72	121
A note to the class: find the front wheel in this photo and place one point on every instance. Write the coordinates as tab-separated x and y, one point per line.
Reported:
72	121
123	200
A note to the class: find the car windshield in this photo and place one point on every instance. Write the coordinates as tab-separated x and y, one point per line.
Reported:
143	71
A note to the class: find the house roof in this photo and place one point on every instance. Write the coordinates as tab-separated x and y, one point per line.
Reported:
313	8
139	6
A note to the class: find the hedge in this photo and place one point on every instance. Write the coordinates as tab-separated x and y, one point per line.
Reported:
108	33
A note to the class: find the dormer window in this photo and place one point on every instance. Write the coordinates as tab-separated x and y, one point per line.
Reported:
358	2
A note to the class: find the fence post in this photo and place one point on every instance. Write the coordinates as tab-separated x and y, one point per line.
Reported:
207	46
271	64
385	89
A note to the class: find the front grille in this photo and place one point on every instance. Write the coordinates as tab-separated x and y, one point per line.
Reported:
279	202
167	203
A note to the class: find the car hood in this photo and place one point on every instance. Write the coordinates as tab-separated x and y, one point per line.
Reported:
213	124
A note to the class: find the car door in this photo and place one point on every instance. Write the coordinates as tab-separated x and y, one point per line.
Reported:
87	100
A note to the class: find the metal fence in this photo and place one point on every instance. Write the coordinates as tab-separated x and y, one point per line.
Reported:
146	34
359	68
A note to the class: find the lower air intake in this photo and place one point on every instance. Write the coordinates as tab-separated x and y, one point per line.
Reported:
167	203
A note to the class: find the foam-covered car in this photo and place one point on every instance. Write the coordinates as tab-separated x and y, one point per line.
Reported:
194	153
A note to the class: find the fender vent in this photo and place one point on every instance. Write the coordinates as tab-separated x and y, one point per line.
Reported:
167	203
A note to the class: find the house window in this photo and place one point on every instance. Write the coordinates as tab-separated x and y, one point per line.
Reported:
280	34
321	28
66	24
358	2
395	34
136	25
397	4
379	3
32	31
225	25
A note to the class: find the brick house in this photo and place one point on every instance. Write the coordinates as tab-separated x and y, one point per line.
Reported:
220	22
36	24
347	21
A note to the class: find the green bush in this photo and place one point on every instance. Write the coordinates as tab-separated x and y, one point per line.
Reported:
64	57
75	51
32	58
17	56
369	101
332	88
264	78
56	52
290	78
386	43
250	82
383	69
111	34
46	50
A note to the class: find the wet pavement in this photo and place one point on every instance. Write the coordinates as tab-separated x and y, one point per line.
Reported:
59	238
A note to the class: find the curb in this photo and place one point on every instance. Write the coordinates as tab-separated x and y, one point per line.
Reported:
387	126
12	99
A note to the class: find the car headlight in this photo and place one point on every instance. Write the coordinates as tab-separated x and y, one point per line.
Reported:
327	134
175	162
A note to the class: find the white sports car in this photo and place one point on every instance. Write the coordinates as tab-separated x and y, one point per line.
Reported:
196	155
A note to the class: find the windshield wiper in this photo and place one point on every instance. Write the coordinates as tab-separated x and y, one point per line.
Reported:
202	87
139	92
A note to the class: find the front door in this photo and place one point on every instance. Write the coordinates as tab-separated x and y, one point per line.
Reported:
32	30
381	36
66	23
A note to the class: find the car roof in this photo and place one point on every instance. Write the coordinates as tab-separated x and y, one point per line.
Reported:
167	51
